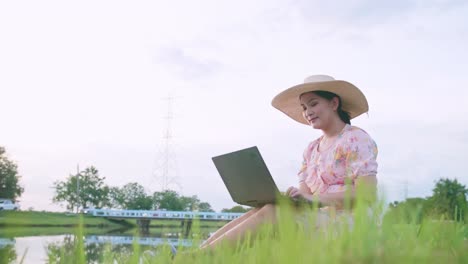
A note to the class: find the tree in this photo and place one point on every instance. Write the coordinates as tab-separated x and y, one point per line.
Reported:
190	203
449	199
236	209
93	191
9	178
82	190
131	196
205	207
412	210
116	198
169	200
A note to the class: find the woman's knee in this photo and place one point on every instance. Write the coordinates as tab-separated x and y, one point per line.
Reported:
268	209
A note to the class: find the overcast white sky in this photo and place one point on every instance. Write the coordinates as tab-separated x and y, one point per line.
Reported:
83	83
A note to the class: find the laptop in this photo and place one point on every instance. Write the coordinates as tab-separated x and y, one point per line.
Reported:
246	177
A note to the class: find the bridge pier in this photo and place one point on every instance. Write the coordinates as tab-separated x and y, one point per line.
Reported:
188	226
143	225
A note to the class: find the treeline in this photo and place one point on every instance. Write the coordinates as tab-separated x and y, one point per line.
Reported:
87	189
10	187
447	202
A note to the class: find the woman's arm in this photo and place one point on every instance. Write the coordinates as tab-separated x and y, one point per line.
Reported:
367	185
304	189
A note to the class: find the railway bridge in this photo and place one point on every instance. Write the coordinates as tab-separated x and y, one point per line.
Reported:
144	217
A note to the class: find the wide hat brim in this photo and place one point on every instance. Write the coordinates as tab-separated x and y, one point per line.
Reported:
353	100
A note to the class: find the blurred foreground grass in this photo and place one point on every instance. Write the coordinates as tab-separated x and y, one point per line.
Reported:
373	237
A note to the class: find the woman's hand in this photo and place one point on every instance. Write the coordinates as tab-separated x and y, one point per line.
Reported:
294	192
299	194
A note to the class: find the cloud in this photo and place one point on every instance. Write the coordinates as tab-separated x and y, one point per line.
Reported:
185	66
368	13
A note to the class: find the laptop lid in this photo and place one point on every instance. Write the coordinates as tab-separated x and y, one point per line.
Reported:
246	177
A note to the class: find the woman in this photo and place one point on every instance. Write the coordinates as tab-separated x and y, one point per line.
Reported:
343	153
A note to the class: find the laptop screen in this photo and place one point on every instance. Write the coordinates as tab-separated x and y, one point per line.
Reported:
246	177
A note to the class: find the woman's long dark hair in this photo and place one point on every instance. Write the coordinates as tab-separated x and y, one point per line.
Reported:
344	116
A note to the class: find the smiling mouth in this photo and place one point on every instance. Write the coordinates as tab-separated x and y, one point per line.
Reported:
312	119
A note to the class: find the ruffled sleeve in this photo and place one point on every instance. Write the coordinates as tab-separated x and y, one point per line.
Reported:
302	174
361	155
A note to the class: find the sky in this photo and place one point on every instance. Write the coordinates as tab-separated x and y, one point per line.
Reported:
84	84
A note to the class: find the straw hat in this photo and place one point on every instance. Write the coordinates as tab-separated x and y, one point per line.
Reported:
353	100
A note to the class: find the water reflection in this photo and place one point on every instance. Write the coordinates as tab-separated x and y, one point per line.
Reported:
118	246
129	240
70	248
101	248
7	250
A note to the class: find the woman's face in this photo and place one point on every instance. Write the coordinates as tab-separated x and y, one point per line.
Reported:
319	112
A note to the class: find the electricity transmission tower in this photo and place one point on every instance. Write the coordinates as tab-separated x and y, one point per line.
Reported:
165	171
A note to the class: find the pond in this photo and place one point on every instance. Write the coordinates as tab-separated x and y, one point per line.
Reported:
52	248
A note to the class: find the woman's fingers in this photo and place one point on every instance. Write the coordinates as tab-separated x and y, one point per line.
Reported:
293	192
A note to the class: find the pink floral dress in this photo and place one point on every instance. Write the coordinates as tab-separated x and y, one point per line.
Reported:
352	155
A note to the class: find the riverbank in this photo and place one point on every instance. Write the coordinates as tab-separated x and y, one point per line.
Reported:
51	219
11	219
31	223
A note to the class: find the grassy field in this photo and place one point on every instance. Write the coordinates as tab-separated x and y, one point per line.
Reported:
371	238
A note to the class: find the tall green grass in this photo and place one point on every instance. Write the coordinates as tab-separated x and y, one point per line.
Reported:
373	237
